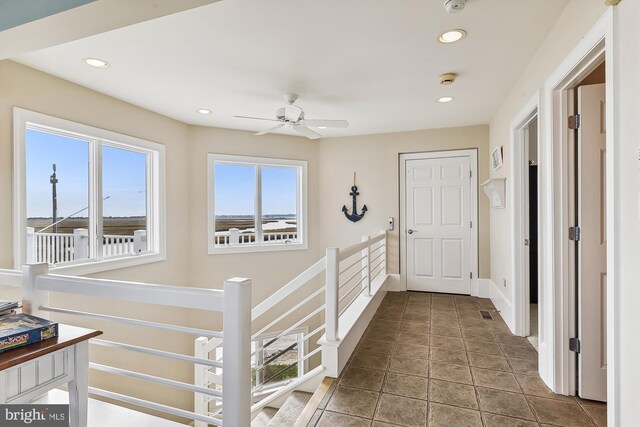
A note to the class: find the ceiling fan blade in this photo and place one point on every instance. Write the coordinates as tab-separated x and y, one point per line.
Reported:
256	118
326	123
268	130
307	132
292	113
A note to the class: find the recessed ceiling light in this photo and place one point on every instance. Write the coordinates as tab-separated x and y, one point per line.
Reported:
95	62
445	99
204	111
452	36
322	127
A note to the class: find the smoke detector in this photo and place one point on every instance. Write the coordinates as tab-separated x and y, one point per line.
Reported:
454	6
448	78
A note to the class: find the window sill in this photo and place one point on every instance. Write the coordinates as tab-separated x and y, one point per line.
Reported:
220	250
90	267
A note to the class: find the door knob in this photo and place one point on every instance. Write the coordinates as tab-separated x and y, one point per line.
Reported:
410	231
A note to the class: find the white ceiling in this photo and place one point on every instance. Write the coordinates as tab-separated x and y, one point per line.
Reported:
374	63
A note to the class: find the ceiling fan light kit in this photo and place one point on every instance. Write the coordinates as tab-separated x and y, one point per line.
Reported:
292	117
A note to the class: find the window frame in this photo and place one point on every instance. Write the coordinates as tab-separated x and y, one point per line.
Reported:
97	138
303	350
258	162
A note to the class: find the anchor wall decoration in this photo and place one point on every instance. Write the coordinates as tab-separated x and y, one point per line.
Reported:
353	216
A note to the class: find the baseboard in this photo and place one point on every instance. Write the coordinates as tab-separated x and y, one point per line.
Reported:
393	283
484	288
502	303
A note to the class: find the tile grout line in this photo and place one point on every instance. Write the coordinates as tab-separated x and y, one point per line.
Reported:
501	340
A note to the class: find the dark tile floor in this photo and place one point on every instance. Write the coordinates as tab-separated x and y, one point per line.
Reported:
431	359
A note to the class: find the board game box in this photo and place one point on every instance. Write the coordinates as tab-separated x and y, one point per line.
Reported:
22	329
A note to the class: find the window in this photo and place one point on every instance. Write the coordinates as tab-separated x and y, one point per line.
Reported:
86	199
275	361
256	204
278	360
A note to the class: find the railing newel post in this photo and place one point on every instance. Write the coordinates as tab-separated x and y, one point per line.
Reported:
331	294
32	297
80	243
31	245
139	241
236	353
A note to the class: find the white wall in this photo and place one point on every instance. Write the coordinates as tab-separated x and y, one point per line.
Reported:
575	21
623	343
375	160
625	367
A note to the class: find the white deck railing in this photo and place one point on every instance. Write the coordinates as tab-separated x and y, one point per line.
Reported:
234	302
56	248
318	306
236	237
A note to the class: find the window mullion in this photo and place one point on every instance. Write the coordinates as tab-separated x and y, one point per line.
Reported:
258	205
95	186
151	226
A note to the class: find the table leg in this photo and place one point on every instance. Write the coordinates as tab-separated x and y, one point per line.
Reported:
79	387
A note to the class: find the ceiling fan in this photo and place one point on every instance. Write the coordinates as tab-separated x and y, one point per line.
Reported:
292	117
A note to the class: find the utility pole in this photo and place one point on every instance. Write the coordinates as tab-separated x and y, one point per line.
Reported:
54	196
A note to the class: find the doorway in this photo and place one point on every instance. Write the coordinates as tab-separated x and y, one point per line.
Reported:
530	209
589	235
438	211
526	201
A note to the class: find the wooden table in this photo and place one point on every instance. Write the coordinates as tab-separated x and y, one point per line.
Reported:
29	371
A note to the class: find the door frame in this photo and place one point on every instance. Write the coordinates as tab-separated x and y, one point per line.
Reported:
519	193
472	154
557	363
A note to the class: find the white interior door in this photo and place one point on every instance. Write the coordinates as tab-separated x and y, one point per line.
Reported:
592	249
438	224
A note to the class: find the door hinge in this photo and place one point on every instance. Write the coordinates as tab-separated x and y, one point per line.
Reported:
471	224
471	275
574	233
574	121
470	174
574	344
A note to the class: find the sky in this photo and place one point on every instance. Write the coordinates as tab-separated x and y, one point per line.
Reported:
124	177
124	181
234	187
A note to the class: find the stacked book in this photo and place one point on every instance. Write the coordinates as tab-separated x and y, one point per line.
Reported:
8	307
17	330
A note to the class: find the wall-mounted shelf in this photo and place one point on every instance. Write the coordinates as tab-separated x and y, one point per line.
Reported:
494	188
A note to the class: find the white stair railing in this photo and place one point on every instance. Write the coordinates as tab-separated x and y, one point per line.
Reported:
235	237
222	388
234	302
306	301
